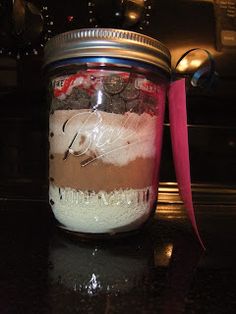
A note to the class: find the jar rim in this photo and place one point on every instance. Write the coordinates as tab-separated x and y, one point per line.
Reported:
108	42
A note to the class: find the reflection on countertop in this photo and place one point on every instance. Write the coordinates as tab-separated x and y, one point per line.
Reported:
161	270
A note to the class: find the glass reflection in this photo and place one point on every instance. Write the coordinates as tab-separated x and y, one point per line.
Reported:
152	273
94	268
162	255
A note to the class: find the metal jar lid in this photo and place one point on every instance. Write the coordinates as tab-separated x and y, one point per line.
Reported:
107	42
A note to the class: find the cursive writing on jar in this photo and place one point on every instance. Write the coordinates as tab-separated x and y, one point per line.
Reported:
90	132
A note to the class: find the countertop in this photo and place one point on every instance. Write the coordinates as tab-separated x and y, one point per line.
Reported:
161	270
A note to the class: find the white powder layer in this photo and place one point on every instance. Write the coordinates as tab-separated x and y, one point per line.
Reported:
90	212
113	138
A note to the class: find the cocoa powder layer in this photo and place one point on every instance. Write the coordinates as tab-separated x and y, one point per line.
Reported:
98	176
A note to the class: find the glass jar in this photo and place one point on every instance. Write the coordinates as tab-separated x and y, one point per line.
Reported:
107	102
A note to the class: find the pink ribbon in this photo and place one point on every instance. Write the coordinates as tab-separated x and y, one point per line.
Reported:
179	139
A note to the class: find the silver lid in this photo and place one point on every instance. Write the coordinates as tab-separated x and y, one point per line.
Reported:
107	42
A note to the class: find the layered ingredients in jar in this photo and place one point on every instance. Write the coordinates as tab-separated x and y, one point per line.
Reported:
103	150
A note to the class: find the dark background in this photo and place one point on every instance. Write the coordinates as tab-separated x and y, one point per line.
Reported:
163	270
180	25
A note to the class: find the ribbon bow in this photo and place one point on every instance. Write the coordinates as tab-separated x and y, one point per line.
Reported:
203	77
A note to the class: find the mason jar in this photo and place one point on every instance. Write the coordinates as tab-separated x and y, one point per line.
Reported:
107	90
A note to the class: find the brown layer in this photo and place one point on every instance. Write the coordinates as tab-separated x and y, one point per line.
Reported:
98	176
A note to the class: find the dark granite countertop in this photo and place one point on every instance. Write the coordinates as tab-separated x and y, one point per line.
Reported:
161	270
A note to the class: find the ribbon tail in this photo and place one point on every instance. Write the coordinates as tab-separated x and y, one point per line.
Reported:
179	139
